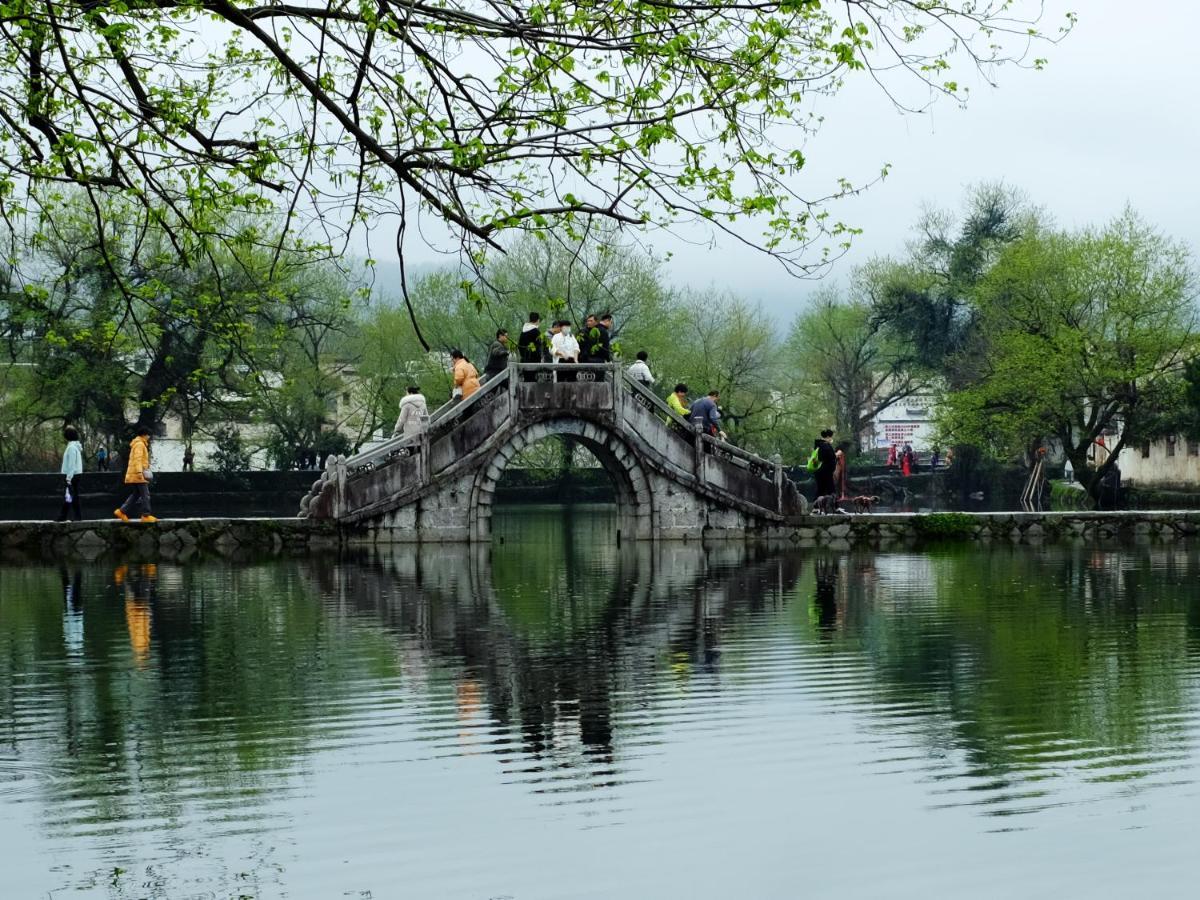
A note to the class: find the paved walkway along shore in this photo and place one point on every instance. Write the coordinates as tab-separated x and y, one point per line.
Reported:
182	538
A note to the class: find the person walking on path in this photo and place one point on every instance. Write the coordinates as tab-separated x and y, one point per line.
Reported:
102	459
72	467
466	376
189	459
826	464
707	415
139	476
498	353
906	460
640	370
413	412
891	457
678	401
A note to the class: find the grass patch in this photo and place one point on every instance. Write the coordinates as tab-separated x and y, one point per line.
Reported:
1064	497
945	526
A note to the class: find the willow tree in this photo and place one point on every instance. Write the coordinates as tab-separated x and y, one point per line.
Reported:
486	116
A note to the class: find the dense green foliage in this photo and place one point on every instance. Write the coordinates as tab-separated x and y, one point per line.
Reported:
486	118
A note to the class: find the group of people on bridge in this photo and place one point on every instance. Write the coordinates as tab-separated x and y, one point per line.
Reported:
562	348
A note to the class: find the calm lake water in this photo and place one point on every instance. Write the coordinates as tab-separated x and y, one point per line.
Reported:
557	717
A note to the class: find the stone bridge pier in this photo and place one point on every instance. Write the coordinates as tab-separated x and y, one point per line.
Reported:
670	481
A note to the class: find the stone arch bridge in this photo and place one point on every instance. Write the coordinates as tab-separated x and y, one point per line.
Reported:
672	482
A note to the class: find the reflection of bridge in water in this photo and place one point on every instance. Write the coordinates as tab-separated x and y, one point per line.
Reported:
671	481
608	643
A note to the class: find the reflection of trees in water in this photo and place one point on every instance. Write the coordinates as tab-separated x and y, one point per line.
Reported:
551	639
205	677
1027	660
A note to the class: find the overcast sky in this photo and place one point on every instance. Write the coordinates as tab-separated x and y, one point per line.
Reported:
1112	120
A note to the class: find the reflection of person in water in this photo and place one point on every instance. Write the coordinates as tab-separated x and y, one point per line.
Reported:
138	585
72	614
825	598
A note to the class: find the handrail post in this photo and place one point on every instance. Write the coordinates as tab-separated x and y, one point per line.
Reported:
778	460
512	386
339	502
424	465
617	387
699	451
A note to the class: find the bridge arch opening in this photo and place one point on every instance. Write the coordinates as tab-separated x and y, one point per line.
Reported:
629	482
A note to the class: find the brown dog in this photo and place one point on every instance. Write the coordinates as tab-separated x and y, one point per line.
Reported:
864	503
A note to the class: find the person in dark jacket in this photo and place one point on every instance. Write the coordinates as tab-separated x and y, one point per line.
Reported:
826	464
1109	496
604	339
531	347
497	355
707	414
588	339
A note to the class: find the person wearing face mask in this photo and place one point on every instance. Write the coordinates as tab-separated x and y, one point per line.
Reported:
565	350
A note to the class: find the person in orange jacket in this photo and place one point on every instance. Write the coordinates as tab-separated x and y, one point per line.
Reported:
138	474
466	378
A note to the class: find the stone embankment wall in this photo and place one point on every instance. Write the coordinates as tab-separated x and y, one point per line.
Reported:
168	538
183	538
175	495
997	526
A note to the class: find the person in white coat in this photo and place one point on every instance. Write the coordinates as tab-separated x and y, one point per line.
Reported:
413	413
72	467
640	370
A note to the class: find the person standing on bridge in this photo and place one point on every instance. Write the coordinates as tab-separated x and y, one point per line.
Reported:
707	415
589	335
466	376
551	332
564	349
678	401
530	344
603	349
497	355
640	370
413	413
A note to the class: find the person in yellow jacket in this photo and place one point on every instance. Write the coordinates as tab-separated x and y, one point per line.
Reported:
466	376
678	400
138	474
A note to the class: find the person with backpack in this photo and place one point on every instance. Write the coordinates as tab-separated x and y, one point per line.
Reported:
822	463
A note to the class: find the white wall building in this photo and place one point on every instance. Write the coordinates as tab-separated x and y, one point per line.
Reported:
908	421
1167	462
